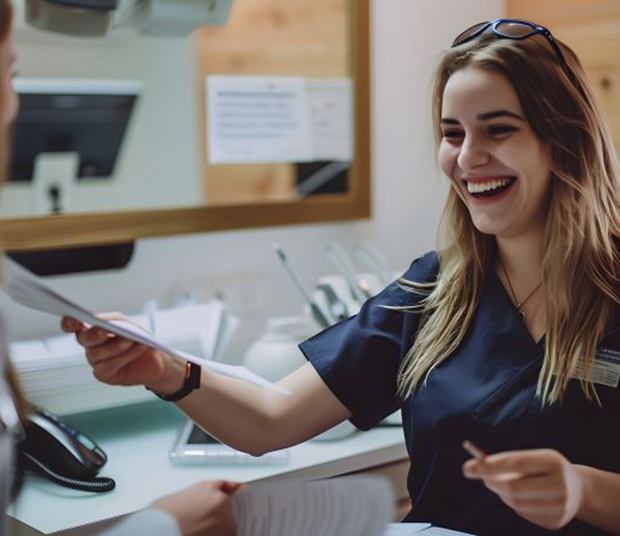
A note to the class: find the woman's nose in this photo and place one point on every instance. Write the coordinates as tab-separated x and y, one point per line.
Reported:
472	154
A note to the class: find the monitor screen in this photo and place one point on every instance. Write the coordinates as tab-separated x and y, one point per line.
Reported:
87	117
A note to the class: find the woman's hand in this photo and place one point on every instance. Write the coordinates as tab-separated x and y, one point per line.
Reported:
119	361
204	509
541	486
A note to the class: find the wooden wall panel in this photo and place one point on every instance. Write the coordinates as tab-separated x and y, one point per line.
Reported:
269	37
592	29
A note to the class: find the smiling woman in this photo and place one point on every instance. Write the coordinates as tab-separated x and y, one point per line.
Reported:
541	155
492	154
512	331
532	220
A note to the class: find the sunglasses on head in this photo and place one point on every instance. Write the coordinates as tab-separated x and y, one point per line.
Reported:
516	29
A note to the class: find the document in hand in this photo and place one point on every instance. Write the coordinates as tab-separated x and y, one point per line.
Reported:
29	290
346	506
420	529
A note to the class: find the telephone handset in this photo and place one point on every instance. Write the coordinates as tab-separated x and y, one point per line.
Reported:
62	454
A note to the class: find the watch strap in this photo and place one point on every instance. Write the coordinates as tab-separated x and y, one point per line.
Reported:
192	382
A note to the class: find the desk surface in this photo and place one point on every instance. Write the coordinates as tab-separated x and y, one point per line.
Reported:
137	440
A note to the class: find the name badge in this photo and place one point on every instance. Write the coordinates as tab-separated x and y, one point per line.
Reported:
605	369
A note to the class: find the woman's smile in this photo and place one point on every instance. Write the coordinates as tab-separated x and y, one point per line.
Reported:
488	189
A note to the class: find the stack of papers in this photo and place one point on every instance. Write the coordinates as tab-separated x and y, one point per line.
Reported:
29	290
55	375
345	506
351	505
54	371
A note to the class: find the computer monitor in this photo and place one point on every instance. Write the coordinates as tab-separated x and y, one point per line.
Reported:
86	117
67	131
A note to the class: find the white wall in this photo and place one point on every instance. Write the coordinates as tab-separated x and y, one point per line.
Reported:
408	36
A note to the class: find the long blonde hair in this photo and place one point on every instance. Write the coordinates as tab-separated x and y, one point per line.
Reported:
580	261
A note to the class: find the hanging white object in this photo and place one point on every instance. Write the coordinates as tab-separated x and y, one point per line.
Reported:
178	18
95	18
75	17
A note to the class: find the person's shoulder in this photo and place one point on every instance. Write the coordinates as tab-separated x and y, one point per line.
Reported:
405	291
424	269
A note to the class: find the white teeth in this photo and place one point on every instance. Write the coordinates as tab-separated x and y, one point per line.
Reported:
479	187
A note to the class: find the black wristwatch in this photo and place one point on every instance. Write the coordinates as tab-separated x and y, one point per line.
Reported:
192	381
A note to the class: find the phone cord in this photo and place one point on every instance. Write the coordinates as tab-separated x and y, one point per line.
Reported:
96	485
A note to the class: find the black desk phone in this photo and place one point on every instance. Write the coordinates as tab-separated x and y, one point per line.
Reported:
64	455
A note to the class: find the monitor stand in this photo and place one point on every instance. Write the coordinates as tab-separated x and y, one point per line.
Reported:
54	177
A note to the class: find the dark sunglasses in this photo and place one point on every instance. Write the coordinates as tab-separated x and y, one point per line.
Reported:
509	29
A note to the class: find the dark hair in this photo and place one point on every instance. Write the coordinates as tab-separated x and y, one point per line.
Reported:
6	17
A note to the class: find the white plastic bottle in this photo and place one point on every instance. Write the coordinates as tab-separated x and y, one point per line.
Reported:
276	354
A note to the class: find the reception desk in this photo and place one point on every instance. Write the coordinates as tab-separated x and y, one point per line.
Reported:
137	440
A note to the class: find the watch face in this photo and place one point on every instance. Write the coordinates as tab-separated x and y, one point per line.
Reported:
194	375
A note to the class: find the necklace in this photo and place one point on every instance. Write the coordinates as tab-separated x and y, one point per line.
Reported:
518	305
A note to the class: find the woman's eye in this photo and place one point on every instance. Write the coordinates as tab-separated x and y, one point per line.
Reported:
498	130
453	134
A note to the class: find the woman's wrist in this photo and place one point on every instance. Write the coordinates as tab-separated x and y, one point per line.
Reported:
585	478
599	502
172	379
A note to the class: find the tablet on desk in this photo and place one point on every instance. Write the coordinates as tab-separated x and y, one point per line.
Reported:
195	446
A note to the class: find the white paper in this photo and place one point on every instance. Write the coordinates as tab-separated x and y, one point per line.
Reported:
210	333
420	529
438	531
29	290
331	110
197	322
228	325
405	529
339	506
25	351
255	119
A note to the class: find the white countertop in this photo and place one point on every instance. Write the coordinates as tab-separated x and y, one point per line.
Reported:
137	440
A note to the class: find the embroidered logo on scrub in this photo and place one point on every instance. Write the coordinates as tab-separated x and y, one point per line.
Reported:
605	369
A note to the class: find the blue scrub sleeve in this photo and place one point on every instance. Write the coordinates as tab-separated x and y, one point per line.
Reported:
358	359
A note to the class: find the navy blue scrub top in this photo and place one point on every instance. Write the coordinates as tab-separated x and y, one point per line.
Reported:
484	392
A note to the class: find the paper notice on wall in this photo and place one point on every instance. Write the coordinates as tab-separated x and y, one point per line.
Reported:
253	119
331	110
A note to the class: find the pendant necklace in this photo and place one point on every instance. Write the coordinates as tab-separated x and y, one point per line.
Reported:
518	305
